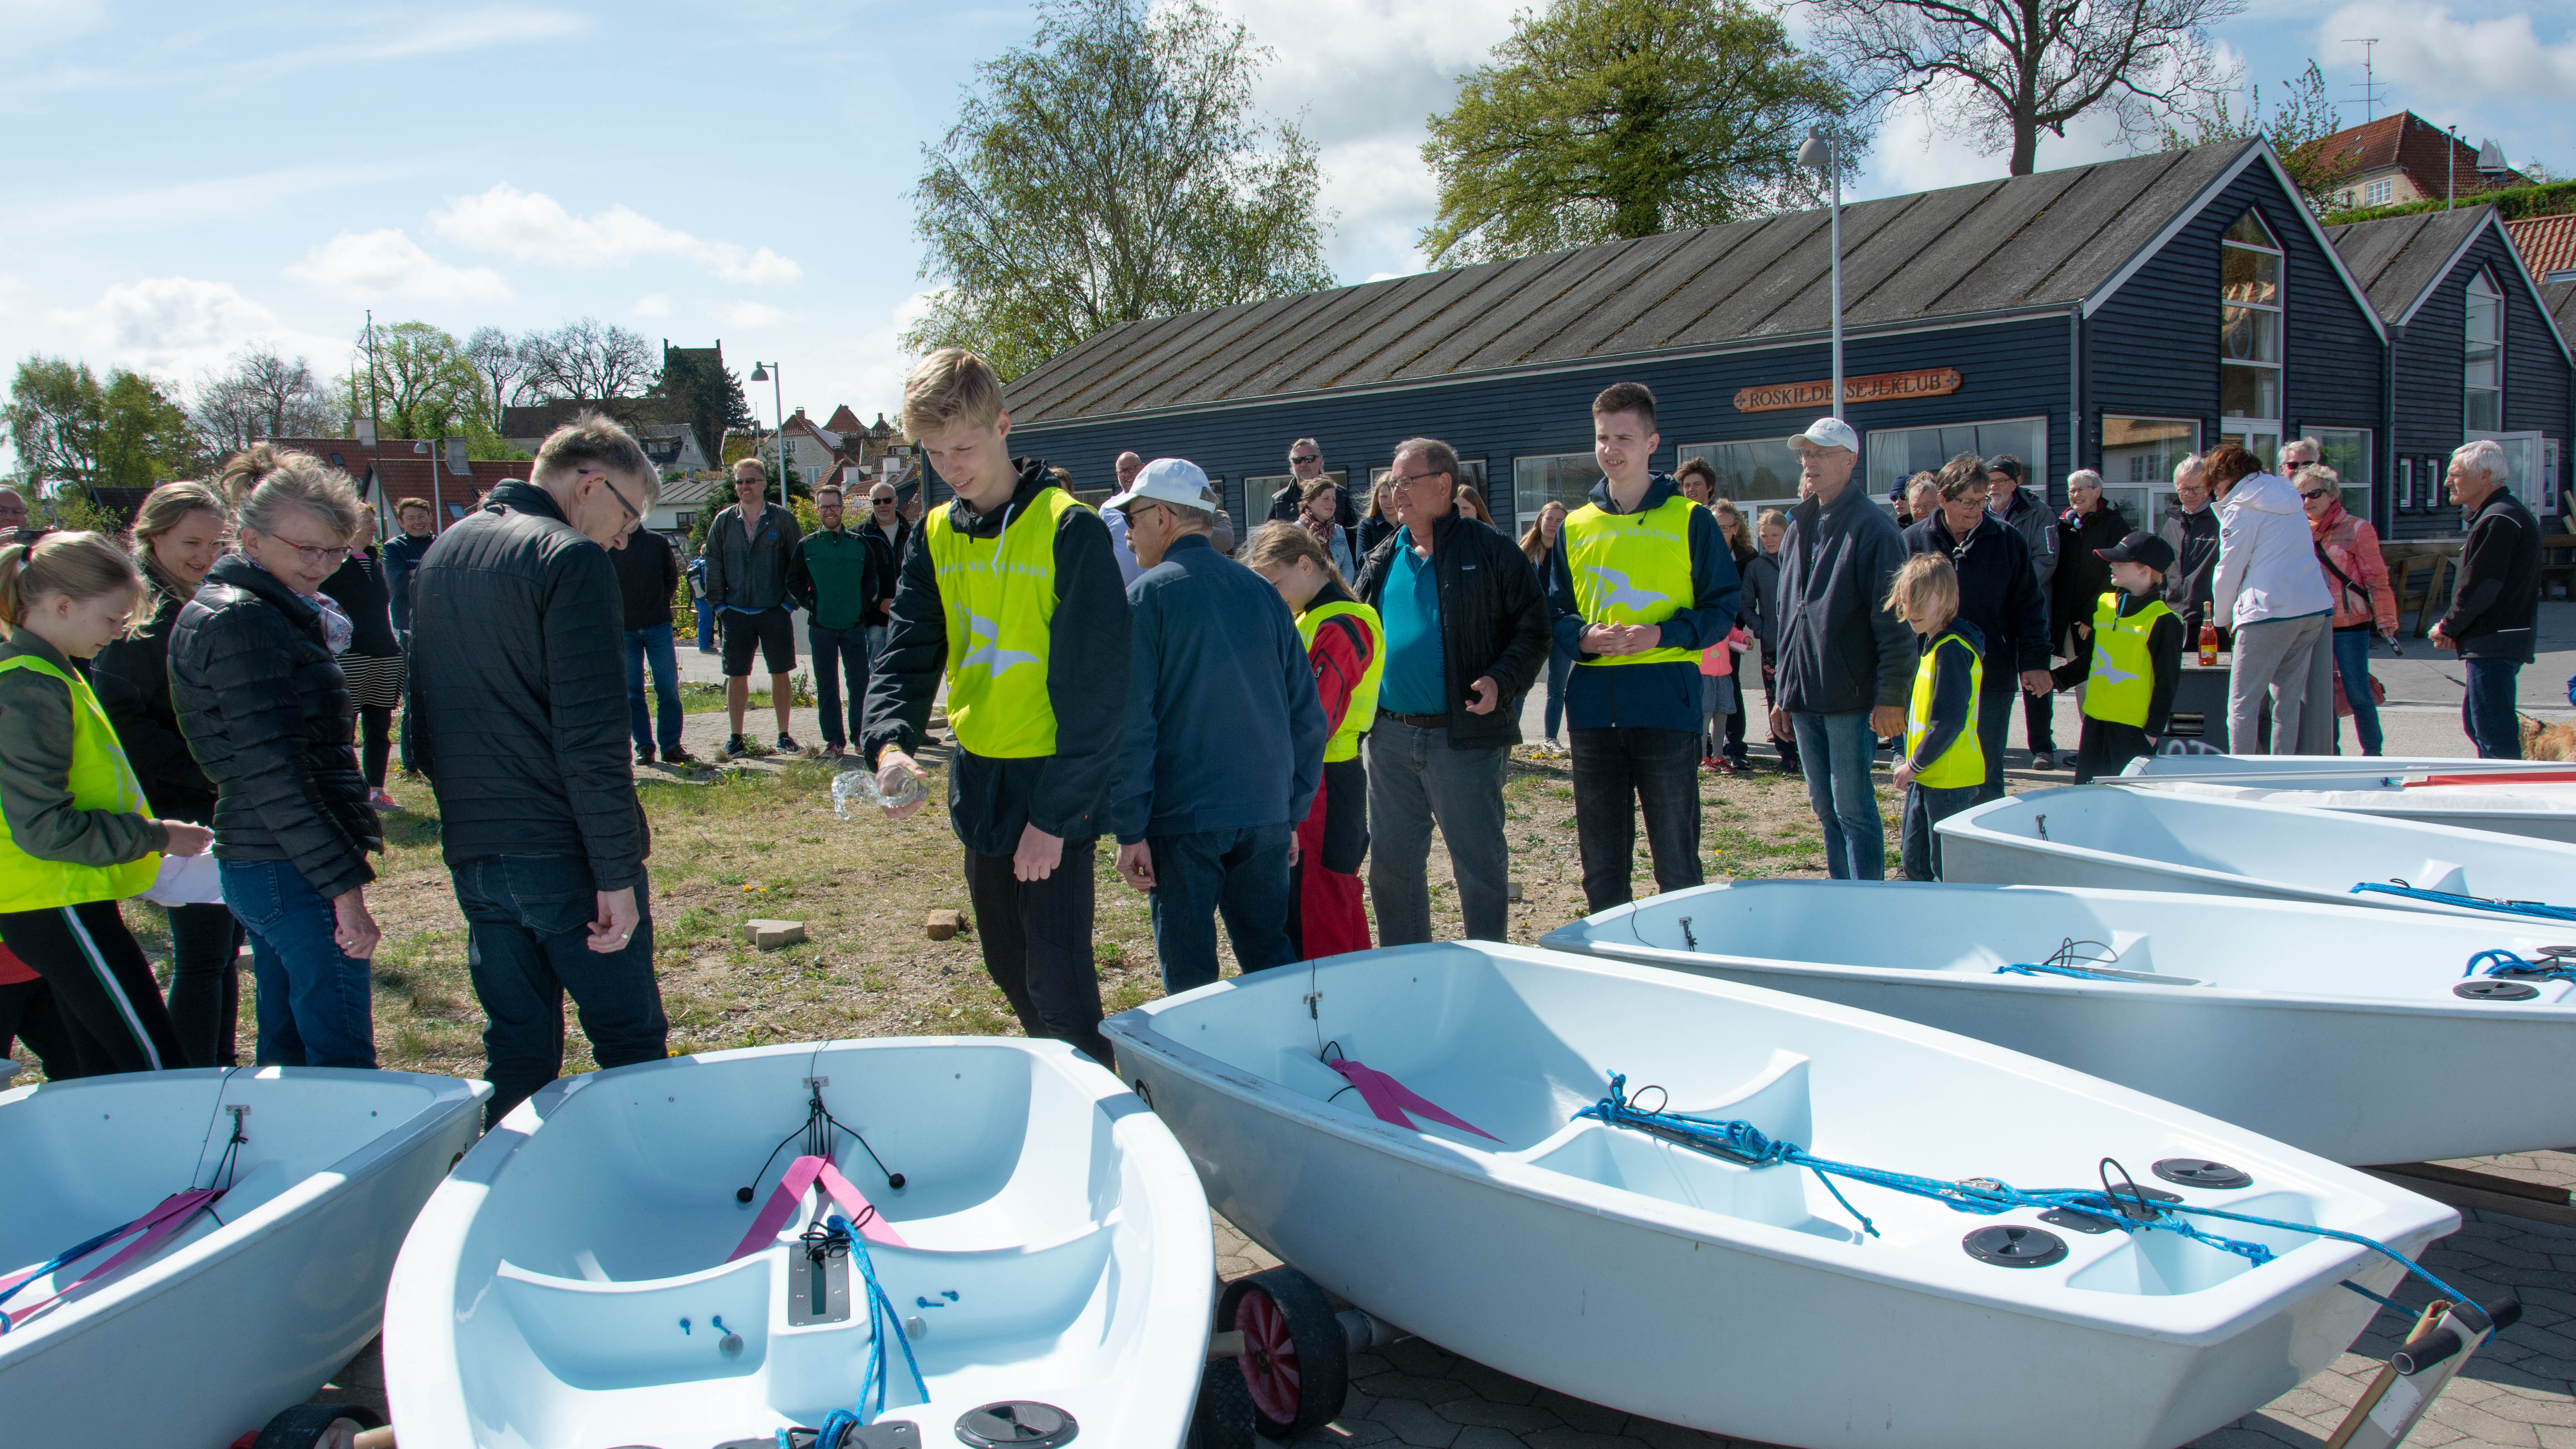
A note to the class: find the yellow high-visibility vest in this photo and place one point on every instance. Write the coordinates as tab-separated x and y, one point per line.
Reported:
1345	743
1632	568
101	779
2122	684
1000	598
1964	763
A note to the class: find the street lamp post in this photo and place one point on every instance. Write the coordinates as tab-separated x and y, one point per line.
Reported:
1818	155
768	372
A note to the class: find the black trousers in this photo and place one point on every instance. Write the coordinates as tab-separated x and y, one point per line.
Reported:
2039	721
1994	717
102	984
1036	937
205	983
27	1014
1617	774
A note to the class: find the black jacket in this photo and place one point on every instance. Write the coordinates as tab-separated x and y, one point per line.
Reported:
1998	592
518	684
2083	576
648	573
2194	537
266	713
132	680
359	587
1493	620
1285	503
1840	650
403	554
991	801
889	555
2496	602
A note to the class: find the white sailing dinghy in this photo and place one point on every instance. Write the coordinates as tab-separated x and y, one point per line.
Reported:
2538	801
978	1240
2278	1016
191	1252
2117	838
1848	1241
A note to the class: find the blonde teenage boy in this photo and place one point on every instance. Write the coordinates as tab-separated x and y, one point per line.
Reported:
1012	596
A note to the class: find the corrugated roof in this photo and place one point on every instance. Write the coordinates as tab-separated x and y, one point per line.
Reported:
2047	240
2547	243
2560	299
2397	259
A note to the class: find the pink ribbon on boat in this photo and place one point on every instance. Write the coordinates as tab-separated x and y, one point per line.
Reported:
150	1231
1391	1099
802	1177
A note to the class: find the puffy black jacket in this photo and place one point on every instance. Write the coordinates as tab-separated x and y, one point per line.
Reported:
266	713
1493	620
518	676
132	680
1998	592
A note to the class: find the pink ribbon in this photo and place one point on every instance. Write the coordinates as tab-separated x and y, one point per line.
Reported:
151	1230
803	1175
1391	1099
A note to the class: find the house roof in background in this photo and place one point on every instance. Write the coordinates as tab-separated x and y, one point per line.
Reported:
2560	299
2547	243
2424	151
682	492
2050	240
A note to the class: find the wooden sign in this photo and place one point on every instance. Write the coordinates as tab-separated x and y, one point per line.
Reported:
1876	387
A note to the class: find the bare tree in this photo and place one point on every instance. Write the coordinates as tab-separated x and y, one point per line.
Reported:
260	394
2002	71
503	363
589	361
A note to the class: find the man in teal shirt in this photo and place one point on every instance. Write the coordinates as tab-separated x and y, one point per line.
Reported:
833	575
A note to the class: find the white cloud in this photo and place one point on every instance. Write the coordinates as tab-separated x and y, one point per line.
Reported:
361	266
1913	153
188	204
655	305
31	25
2425	46
530	226
749	314
178	326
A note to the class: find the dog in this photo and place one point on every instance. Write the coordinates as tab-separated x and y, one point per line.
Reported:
2547	741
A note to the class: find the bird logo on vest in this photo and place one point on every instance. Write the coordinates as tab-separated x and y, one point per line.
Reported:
988	650
2105	672
1623	594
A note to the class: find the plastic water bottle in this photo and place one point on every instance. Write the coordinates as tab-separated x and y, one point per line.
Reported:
861	785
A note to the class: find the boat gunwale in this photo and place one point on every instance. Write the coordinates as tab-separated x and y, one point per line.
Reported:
2412	809
2243	1309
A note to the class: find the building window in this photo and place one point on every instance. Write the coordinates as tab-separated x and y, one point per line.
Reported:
1565	477
1893	453
2138	460
686	522
2249	332
1471	472
1752	471
2483	380
1257	488
2347	451
2380	192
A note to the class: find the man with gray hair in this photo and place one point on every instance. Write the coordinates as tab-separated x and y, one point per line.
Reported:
2496	602
1305	465
518	681
13	519
2299	453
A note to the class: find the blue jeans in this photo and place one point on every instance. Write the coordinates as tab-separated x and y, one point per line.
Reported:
526	947
1560	667
2487	712
315	1009
653	646
1925	809
2352	662
1241	874
1835	752
849	647
706	627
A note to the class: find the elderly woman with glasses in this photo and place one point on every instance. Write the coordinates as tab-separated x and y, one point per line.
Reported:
2348	551
256	680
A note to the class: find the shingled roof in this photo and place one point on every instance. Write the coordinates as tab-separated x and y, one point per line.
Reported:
2025	243
2547	244
2397	259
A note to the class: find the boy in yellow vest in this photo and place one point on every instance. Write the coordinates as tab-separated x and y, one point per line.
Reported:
1944	765
2130	664
1011	594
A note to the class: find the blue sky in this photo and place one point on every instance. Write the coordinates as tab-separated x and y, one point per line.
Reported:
187	179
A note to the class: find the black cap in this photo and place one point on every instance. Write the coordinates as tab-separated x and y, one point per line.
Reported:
2006	464
2142	548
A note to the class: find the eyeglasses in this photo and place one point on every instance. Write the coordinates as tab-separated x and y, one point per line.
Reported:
314	556
887	502
1305	457
2313	494
634	520
1403	482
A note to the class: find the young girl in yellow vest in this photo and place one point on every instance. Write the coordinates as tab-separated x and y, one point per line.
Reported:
1347	646
1943	766
2130	662
76	835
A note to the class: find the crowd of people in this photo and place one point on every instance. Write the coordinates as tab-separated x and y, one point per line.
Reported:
1255	723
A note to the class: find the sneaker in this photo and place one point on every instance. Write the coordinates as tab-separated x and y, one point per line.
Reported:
2043	760
737	747
1788	765
787	745
644	755
381	800
831	752
678	756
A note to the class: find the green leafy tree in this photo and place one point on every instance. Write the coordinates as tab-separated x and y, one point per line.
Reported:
71	430
419	383
1111	171
1605	119
707	392
2296	127
146	437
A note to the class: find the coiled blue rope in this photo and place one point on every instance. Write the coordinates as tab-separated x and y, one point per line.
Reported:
882	1321
2501	962
2542	909
2131	1211
2067	960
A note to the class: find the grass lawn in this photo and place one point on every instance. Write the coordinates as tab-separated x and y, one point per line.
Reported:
762	841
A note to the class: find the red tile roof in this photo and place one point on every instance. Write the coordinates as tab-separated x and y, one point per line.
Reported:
2547	244
2416	146
844	421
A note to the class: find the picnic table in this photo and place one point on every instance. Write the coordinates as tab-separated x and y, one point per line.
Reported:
2420	570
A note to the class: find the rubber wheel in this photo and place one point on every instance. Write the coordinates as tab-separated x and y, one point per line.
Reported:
317	1426
1222	1418
1295	1362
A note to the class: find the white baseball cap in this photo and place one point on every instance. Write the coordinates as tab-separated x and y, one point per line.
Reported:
1826	433
1174	481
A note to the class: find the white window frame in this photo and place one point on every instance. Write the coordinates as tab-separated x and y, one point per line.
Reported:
1526	503
2150	498
2481	284
2380	192
2260	435
2526	454
1743	500
2034	464
2337	442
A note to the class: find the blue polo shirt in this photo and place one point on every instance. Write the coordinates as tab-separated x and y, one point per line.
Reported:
1416	680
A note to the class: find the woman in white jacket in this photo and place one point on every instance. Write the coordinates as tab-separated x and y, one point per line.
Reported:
2269	584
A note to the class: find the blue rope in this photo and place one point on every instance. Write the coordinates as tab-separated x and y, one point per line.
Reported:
2501	962
61	1260
2476	903
882	1321
2068	960
1743	1142
2029	968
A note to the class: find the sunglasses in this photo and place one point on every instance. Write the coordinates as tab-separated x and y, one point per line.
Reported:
1305	457
2316	493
